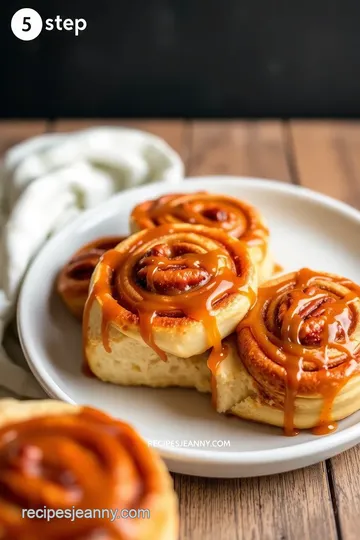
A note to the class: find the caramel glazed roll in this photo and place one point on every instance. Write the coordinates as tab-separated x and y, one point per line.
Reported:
160	299
61	456
222	212
297	364
74	278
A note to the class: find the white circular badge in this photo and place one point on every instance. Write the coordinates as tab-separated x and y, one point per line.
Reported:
26	24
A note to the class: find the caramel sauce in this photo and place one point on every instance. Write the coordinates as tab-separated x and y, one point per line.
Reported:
305	325
214	361
278	268
74	279
226	213
86	461
162	274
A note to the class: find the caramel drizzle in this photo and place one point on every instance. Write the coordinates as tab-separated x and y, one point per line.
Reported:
60	461
218	273
74	279
317	313
226	213
278	268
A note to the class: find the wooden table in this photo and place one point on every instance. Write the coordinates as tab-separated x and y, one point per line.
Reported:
321	502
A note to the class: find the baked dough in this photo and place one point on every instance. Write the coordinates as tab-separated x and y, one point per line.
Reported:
230	214
136	463
296	362
180	320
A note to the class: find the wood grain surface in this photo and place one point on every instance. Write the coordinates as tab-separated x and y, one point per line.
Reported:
327	159
235	147
320	502
13	132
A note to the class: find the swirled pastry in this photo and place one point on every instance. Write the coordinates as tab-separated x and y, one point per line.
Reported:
298	354
229	214
166	293
74	279
62	457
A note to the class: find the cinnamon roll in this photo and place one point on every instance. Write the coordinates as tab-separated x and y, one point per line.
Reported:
74	279
233	216
299	354
68	458
162	296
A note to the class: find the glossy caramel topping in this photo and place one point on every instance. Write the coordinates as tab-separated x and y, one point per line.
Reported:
85	460
226	213
305	323
171	274
74	279
278	268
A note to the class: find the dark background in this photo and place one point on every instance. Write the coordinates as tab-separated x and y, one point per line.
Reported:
185	58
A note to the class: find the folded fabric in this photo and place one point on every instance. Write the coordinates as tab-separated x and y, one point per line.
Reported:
46	182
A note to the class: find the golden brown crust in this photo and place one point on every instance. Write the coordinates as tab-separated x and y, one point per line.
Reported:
233	216
160	285
74	278
302	339
221	212
130	321
270	376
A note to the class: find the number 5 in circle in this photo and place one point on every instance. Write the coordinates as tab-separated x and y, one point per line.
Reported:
26	24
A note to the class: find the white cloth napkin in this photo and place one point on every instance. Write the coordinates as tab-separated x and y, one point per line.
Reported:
46	182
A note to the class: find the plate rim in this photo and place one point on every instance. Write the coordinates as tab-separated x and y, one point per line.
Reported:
348	436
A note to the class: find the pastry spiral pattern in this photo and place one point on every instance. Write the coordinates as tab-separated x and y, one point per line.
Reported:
179	288
229	214
74	279
302	339
80	460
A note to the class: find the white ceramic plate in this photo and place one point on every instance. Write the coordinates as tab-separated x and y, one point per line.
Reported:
307	229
